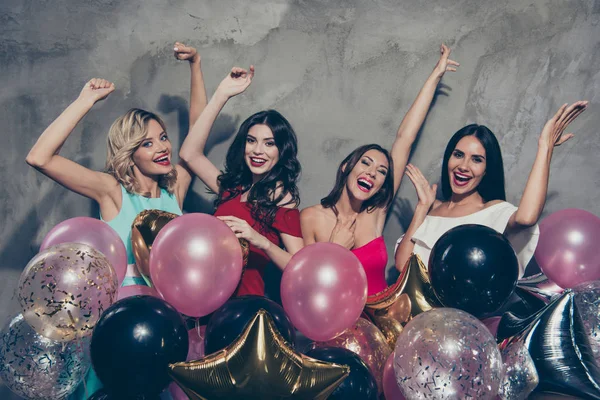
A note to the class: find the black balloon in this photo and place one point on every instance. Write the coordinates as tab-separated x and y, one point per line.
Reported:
229	321
133	344
360	384
559	347
473	268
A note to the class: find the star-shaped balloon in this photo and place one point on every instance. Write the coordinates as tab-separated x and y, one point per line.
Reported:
559	347
411	295
259	364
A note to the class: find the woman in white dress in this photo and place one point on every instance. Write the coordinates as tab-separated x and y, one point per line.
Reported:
473	191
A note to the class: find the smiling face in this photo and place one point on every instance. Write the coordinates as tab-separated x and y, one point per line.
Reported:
261	153
466	165
368	175
153	156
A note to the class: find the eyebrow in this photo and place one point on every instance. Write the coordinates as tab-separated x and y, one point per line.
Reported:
381	165
253	137
159	135
473	155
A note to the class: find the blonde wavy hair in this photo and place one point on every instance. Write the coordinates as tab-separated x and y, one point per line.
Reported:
124	137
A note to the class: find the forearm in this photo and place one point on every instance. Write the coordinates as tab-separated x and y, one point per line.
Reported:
278	255
52	139
536	189
406	246
196	139
413	120
198	98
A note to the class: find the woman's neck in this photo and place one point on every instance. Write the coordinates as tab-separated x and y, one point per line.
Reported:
147	185
347	205
458	200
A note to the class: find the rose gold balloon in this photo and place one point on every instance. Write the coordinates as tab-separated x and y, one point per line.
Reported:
368	342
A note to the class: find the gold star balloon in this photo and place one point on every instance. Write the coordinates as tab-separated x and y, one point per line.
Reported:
259	364
411	295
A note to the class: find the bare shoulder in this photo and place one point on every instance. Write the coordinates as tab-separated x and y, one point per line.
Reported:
492	203
312	213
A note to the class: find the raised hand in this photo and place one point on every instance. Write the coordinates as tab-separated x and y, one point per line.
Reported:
183	52
96	89
236	81
552	134
425	192
343	231
243	230
444	63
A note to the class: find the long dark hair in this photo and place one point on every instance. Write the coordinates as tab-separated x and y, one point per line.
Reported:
266	194
384	196
491	186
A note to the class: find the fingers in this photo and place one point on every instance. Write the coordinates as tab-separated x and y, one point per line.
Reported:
451	65
574	111
99	83
445	51
564	138
231	218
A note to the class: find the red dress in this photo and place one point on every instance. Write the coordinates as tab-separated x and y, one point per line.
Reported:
373	257
287	220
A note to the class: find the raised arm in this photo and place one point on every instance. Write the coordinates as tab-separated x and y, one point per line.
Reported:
411	124
44	154
197	104
426	195
534	196
198	98
192	150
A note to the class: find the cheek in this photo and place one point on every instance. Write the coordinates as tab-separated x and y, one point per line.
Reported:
273	153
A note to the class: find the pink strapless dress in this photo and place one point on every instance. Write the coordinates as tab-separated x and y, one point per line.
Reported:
373	257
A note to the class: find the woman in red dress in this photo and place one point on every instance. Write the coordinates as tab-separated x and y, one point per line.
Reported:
354	212
257	193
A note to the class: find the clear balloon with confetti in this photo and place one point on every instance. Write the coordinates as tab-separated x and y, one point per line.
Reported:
64	290
447	354
35	367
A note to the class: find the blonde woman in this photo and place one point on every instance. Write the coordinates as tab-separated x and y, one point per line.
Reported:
139	174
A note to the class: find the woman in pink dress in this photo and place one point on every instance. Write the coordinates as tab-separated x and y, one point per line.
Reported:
353	214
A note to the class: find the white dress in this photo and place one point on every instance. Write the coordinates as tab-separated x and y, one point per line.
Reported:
495	217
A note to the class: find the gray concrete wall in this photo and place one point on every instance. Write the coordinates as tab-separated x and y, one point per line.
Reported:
343	72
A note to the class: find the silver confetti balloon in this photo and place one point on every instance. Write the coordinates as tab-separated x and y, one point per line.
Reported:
587	299
64	290
521	377
35	367
447	354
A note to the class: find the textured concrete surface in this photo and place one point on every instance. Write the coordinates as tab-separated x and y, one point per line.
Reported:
343	72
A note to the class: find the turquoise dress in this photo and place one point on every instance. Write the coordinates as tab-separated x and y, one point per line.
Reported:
132	205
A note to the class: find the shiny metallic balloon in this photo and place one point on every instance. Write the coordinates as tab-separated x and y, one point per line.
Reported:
35	367
368	342
259	365
559	347
521	377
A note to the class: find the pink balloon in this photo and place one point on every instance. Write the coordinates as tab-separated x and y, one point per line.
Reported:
567	251
136	290
323	290
94	233
195	352
391	390
196	263
492	324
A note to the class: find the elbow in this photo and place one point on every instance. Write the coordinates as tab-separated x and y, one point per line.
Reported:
525	221
185	155
34	161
